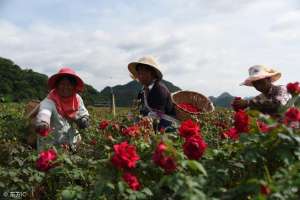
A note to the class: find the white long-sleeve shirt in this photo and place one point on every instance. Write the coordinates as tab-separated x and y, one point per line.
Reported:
63	131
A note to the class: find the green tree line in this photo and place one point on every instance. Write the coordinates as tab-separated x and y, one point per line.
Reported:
21	85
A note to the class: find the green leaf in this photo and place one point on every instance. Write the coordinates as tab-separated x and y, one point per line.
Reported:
12	173
239	165
121	186
196	166
16	179
110	185
2	185
68	194
147	191
68	160
38	178
285	137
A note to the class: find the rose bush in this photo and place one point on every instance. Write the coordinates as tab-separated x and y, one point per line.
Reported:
222	155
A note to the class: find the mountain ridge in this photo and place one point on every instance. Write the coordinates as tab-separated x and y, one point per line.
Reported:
19	85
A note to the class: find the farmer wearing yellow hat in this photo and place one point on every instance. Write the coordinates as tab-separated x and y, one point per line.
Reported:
155	96
271	97
61	111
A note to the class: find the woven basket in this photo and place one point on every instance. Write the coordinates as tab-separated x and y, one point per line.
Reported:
31	111
32	108
196	99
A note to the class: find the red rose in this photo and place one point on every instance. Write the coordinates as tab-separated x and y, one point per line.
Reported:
116	127
162	130
194	147
158	154
44	132
132	181
65	146
265	190
125	155
103	124
45	160
168	164
292	115
241	121
188	107
93	142
189	128
232	134
238	106
131	131
264	128
293	88
160	159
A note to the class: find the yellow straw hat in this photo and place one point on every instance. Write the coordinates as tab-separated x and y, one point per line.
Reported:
148	61
258	72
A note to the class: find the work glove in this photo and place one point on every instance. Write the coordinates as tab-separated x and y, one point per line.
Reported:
42	128
82	122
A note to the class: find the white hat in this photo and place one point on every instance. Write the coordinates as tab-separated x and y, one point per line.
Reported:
258	72
147	60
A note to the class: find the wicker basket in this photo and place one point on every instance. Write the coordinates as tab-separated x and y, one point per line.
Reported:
31	111
196	99
32	108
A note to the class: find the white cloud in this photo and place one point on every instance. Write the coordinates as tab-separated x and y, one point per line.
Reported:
203	46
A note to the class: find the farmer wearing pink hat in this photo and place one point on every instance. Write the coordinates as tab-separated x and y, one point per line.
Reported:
61	110
271	97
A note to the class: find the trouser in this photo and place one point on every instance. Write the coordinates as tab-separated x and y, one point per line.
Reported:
165	125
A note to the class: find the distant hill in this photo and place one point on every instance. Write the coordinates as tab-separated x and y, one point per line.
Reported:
19	85
124	94
224	100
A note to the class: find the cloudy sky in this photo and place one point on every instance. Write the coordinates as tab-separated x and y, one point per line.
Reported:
202	45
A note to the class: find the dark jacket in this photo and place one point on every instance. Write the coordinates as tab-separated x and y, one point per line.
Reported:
159	98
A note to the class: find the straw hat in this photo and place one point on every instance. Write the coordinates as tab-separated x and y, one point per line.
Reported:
148	61
66	71
258	72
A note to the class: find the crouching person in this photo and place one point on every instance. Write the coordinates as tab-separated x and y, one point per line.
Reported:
62	111
272	97
155	96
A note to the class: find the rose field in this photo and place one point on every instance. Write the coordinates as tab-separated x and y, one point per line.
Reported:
225	154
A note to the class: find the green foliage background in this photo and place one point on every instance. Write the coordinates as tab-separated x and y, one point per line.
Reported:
21	85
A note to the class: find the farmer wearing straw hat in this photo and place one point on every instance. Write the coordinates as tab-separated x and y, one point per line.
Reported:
155	95
271	97
61	110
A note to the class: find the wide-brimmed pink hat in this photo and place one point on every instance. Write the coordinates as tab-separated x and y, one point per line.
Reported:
258	72
66	71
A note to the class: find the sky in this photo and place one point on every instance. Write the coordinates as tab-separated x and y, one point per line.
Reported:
201	45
